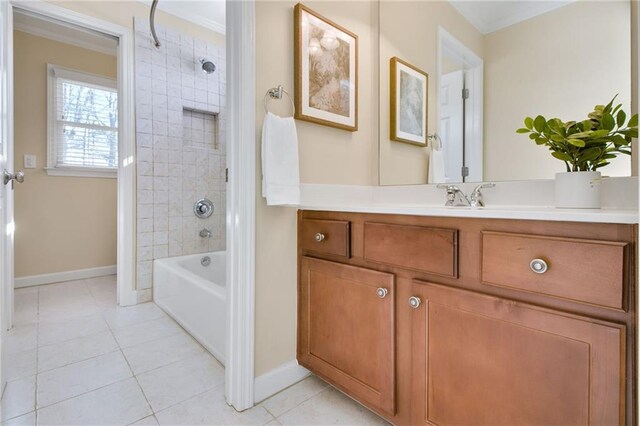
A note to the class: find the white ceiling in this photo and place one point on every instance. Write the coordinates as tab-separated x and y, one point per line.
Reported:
490	16
65	33
206	13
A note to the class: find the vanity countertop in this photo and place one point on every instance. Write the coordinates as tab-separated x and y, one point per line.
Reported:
525	200
497	212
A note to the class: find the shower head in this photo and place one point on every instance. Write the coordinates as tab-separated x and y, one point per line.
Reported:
207	66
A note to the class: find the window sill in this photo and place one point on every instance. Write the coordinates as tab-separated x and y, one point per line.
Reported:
85	172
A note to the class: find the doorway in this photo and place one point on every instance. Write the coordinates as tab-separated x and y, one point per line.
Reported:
460	109
119	154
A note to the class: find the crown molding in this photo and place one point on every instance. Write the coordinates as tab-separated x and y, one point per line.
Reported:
175	10
35	30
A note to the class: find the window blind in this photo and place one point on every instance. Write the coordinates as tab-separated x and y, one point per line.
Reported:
86	124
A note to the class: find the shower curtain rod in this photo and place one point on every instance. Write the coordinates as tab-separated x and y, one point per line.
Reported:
156	42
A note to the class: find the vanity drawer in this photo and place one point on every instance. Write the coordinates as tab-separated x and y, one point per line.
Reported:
585	271
430	250
326	236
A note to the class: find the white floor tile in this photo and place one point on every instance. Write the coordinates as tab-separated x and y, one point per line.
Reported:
67	310
173	383
61	331
294	395
20	364
117	404
330	407
210	408
132	315
19	398
25	306
63	290
28	419
75	379
146	331
69	352
22	338
150	355
147	421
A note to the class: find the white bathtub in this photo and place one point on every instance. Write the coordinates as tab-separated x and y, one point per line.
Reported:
195	296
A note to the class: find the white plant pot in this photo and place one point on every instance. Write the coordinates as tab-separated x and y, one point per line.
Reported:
578	190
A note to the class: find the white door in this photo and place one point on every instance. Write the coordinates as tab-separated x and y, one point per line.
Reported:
451	124
6	213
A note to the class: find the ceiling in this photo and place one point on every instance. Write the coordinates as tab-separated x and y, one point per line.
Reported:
64	33
490	16
206	13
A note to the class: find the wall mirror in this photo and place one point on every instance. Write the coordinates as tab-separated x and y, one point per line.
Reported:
490	64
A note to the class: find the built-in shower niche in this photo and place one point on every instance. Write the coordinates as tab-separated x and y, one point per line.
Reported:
200	129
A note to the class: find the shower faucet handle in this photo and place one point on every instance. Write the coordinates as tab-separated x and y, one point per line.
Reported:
205	233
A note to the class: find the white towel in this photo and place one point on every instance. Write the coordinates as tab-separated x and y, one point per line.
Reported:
436	165
280	172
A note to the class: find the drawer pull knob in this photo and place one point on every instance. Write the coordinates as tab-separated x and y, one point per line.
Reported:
382	292
414	302
538	266
319	237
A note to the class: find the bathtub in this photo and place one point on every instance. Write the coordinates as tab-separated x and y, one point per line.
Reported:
195	296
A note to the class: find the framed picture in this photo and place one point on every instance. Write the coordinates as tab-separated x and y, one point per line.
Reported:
409	103
326	71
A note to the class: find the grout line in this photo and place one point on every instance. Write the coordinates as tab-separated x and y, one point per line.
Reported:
133	374
82	394
302	402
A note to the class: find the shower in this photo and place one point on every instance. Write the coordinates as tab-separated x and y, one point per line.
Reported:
207	66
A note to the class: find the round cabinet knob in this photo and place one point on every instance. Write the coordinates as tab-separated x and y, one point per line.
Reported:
538	266
382	292
319	237
414	302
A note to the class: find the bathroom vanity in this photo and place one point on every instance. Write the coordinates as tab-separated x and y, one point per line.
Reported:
465	320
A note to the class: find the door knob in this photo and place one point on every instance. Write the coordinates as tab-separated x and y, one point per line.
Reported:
414	302
7	176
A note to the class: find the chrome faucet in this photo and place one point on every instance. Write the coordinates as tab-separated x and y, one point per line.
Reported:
455	196
476	196
205	233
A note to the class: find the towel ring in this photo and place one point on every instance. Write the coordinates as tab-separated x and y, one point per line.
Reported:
276	93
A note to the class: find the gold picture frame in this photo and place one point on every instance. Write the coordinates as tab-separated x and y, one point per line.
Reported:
329	98
409	98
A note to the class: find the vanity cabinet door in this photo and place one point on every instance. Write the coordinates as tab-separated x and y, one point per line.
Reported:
482	360
346	329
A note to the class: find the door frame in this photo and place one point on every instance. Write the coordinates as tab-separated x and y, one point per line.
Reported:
474	112
241	202
126	283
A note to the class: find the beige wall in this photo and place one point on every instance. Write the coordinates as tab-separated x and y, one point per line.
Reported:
62	223
327	155
585	62
409	30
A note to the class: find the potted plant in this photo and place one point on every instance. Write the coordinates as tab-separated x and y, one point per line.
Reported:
585	147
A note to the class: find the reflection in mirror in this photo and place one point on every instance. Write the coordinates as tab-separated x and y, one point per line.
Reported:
491	64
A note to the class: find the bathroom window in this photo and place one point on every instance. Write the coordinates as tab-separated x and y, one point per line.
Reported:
83	124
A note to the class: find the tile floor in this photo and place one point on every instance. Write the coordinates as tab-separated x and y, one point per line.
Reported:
76	358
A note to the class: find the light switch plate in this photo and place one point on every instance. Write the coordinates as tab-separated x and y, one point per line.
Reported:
29	161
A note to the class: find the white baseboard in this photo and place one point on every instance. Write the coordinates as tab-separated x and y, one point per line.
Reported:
57	277
273	381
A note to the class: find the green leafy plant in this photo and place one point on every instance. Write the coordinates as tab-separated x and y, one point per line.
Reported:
589	144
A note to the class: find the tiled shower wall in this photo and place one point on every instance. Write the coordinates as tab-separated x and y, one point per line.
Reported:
181	148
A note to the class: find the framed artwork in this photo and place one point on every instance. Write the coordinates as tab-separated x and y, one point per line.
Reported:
409	103
326	71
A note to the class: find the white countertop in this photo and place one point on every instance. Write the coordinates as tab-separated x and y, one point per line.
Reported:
502	212
529	200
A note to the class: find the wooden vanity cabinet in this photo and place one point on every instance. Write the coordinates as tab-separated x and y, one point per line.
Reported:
476	337
479	359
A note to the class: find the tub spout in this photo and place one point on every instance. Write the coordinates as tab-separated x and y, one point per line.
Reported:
205	233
